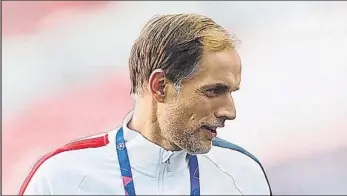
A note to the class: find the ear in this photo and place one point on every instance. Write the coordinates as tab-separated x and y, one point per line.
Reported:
158	85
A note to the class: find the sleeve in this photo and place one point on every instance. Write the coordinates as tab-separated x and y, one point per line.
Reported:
36	184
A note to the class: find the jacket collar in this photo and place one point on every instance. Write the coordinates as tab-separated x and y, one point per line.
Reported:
147	157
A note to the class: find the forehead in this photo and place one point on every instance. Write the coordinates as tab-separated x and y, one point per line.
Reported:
222	66
227	60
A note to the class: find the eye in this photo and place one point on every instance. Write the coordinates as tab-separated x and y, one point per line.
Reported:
213	92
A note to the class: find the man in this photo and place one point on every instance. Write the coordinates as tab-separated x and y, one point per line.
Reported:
183	70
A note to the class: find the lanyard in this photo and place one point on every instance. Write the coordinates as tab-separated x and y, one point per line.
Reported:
127	177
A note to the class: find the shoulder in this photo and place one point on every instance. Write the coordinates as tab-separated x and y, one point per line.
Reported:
237	151
65	167
247	171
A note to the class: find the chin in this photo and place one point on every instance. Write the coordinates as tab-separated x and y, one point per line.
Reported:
203	148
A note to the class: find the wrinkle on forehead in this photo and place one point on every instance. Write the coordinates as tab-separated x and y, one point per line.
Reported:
216	67
222	66
227	59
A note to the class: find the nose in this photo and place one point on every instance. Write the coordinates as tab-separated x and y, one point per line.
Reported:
227	110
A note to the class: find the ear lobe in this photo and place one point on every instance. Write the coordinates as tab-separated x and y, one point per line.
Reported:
157	85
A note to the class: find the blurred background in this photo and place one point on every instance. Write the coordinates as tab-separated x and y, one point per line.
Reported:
65	76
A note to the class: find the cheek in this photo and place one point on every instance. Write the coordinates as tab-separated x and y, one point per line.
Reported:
175	113
188	112
198	108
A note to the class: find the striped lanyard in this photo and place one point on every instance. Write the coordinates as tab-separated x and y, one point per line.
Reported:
127	176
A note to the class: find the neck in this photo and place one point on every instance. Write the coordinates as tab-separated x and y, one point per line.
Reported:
145	121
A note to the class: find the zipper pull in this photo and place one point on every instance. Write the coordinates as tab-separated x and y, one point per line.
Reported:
169	169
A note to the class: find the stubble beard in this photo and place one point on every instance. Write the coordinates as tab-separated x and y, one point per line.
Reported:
191	142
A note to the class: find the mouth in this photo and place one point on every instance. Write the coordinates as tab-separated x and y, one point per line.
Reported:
212	131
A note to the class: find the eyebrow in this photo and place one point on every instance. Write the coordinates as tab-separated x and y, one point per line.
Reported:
218	86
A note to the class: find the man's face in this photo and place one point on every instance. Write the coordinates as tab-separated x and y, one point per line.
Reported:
189	118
